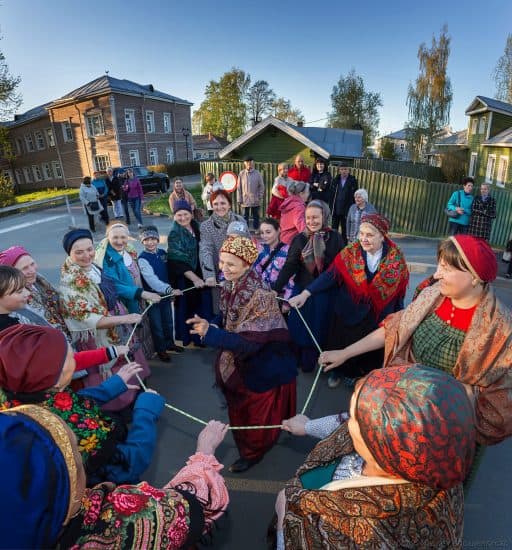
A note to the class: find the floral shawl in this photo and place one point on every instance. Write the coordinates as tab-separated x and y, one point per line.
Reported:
84	305
389	282
389	516
44	297
248	307
182	245
483	361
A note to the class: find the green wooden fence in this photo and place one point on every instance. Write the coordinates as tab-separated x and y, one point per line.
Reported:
401	168
414	206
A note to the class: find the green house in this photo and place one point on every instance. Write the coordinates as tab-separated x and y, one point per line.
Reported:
273	140
490	141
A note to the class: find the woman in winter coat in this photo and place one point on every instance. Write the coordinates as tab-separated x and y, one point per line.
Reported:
292	211
320	181
90	199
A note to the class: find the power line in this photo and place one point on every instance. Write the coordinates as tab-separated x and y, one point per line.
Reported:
319	120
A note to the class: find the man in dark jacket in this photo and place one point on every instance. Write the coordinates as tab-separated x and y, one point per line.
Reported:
114	193
343	188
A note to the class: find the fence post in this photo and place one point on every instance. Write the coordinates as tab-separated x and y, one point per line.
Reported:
72	217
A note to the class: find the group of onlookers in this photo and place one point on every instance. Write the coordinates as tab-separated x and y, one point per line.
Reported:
123	191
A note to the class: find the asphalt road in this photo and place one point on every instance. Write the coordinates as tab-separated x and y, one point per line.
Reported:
188	384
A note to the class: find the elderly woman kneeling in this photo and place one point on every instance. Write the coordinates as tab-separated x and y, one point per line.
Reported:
389	477
255	368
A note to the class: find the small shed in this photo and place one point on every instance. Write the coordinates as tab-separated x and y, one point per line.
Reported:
273	140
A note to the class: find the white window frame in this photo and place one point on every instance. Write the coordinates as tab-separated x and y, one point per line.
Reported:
36	171
29	142
129	121
474	125
67	131
40	143
153	156
481	125
489	171
167	123
50	138
94	124
101	163
19	146
57	169
134	157
19	176
169	155
501	175
150	122
27	173
47	171
472	165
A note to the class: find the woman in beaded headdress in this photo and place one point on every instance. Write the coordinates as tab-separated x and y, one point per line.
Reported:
255	367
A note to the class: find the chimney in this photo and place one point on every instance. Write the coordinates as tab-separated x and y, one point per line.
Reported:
300	123
209	136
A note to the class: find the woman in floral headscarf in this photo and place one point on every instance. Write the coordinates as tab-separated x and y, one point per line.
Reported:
389	477
311	253
372	277
255	368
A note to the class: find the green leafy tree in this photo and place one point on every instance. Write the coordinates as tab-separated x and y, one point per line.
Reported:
387	149
430	99
260	98
354	107
10	99
224	112
503	73
283	110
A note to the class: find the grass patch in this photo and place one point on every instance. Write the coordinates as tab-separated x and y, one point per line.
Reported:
43	194
160	205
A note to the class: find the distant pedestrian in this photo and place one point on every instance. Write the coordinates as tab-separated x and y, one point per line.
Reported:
483	212
101	186
299	171
114	193
250	192
320	181
460	204
343	189
90	199
133	189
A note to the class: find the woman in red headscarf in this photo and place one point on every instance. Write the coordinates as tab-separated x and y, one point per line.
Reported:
457	325
389	477
372	277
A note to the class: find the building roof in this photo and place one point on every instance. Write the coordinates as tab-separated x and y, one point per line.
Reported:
459	139
399	134
31	114
107	84
326	142
209	141
481	104
503	139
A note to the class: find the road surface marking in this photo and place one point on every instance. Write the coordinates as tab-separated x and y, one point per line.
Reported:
28	224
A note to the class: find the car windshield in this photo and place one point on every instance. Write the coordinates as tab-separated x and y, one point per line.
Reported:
140	171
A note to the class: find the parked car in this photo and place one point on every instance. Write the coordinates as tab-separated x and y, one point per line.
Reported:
149	180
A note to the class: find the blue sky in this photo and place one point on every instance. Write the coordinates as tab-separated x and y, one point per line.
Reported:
299	47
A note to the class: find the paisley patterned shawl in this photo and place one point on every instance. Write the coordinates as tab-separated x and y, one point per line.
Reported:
483	362
250	309
389	282
389	516
46	298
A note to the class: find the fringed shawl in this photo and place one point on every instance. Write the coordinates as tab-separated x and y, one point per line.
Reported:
484	361
389	282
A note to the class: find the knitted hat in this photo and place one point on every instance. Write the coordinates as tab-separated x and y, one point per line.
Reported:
74	235
11	255
478	256
149	232
182	204
241	247
379	222
238	228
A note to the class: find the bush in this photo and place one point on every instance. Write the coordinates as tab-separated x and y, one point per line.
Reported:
7	197
185	168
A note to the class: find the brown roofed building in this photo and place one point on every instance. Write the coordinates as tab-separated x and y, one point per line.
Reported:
106	122
207	146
